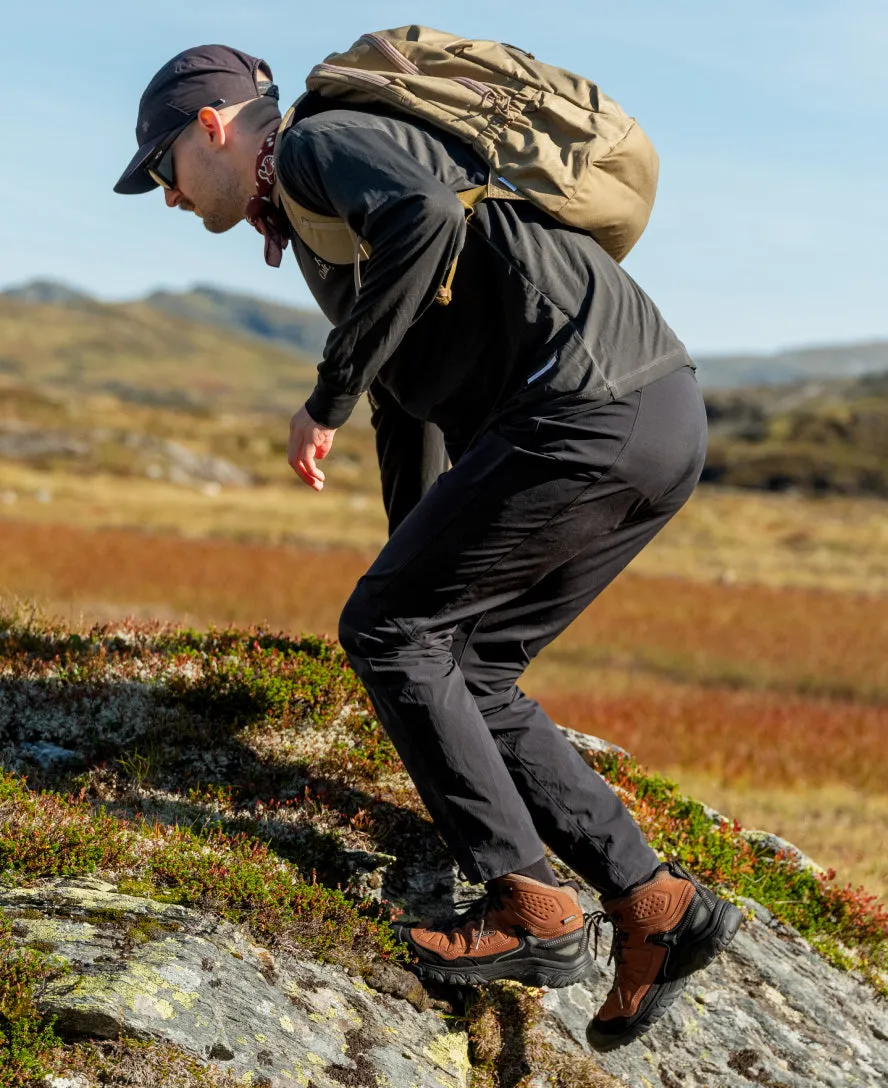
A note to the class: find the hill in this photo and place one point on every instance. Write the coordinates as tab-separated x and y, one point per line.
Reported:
214	351
306	330
827	363
145	355
288	326
828	436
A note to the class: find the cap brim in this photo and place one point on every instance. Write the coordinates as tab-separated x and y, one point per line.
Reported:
136	179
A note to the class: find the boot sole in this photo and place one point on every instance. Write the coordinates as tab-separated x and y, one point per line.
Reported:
531	972
700	952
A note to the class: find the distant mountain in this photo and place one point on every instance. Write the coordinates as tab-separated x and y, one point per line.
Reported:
144	355
53	292
836	361
305	331
208	350
289	326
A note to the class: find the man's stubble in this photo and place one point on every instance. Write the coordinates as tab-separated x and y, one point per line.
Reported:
226	196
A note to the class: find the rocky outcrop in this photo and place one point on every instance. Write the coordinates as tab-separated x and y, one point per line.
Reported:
769	1012
155	971
128	451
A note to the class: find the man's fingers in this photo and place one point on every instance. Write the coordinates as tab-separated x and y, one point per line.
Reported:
308	443
307	478
309	471
308	459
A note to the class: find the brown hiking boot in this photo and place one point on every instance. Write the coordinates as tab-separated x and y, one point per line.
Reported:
521	929
664	930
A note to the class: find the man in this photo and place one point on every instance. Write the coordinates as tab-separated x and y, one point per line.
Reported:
571	415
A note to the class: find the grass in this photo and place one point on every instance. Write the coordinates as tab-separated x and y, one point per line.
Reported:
723	535
743	636
735	735
727	680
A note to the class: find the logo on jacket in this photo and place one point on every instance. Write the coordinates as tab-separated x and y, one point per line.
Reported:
324	269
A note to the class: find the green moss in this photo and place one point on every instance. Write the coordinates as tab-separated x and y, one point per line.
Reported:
240	877
107	916
138	888
26	1037
125	1061
42	946
149	929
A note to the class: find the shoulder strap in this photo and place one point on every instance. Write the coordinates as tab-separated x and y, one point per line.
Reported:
333	240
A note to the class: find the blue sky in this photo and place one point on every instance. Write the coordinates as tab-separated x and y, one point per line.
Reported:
770	227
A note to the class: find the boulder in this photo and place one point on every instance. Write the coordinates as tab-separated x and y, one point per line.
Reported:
166	973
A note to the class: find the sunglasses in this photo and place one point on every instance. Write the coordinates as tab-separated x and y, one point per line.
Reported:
160	166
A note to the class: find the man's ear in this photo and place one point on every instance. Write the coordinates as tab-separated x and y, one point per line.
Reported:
212	125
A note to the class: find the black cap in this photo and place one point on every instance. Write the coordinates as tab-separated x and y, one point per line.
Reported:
193	79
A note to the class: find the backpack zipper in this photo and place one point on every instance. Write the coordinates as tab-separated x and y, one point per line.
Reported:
398	60
394	55
356	73
498	99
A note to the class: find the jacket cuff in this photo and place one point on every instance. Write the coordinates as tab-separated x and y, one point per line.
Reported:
330	409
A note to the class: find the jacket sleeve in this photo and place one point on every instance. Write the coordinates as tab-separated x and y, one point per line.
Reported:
414	223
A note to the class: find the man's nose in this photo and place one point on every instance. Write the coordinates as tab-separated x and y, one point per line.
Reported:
172	197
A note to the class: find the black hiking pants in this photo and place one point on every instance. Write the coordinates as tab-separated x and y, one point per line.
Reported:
498	557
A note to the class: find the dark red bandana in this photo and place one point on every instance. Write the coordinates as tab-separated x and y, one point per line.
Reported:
262	212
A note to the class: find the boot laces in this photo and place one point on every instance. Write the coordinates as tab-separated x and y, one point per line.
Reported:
471	909
594	923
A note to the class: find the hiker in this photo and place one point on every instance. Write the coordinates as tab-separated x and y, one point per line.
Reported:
571	415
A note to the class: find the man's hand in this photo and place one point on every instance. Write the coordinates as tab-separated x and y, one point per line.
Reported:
309	441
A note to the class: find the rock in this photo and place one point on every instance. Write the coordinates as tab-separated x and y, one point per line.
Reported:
24	445
180	465
769	1011
168	460
48	755
167	973
585	742
773	844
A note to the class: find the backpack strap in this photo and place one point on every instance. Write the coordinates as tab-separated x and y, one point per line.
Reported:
333	240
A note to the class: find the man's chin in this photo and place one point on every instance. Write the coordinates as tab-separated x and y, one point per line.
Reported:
217	225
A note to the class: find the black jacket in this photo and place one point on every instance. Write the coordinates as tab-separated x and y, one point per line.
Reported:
539	310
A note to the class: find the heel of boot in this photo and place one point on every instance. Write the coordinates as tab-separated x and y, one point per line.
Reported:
718	934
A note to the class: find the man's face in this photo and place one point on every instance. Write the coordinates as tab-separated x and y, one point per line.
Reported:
206	181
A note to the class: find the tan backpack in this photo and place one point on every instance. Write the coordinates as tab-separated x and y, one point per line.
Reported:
548	136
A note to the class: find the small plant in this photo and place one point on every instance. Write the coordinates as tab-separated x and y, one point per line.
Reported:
239	877
26	1038
136	766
